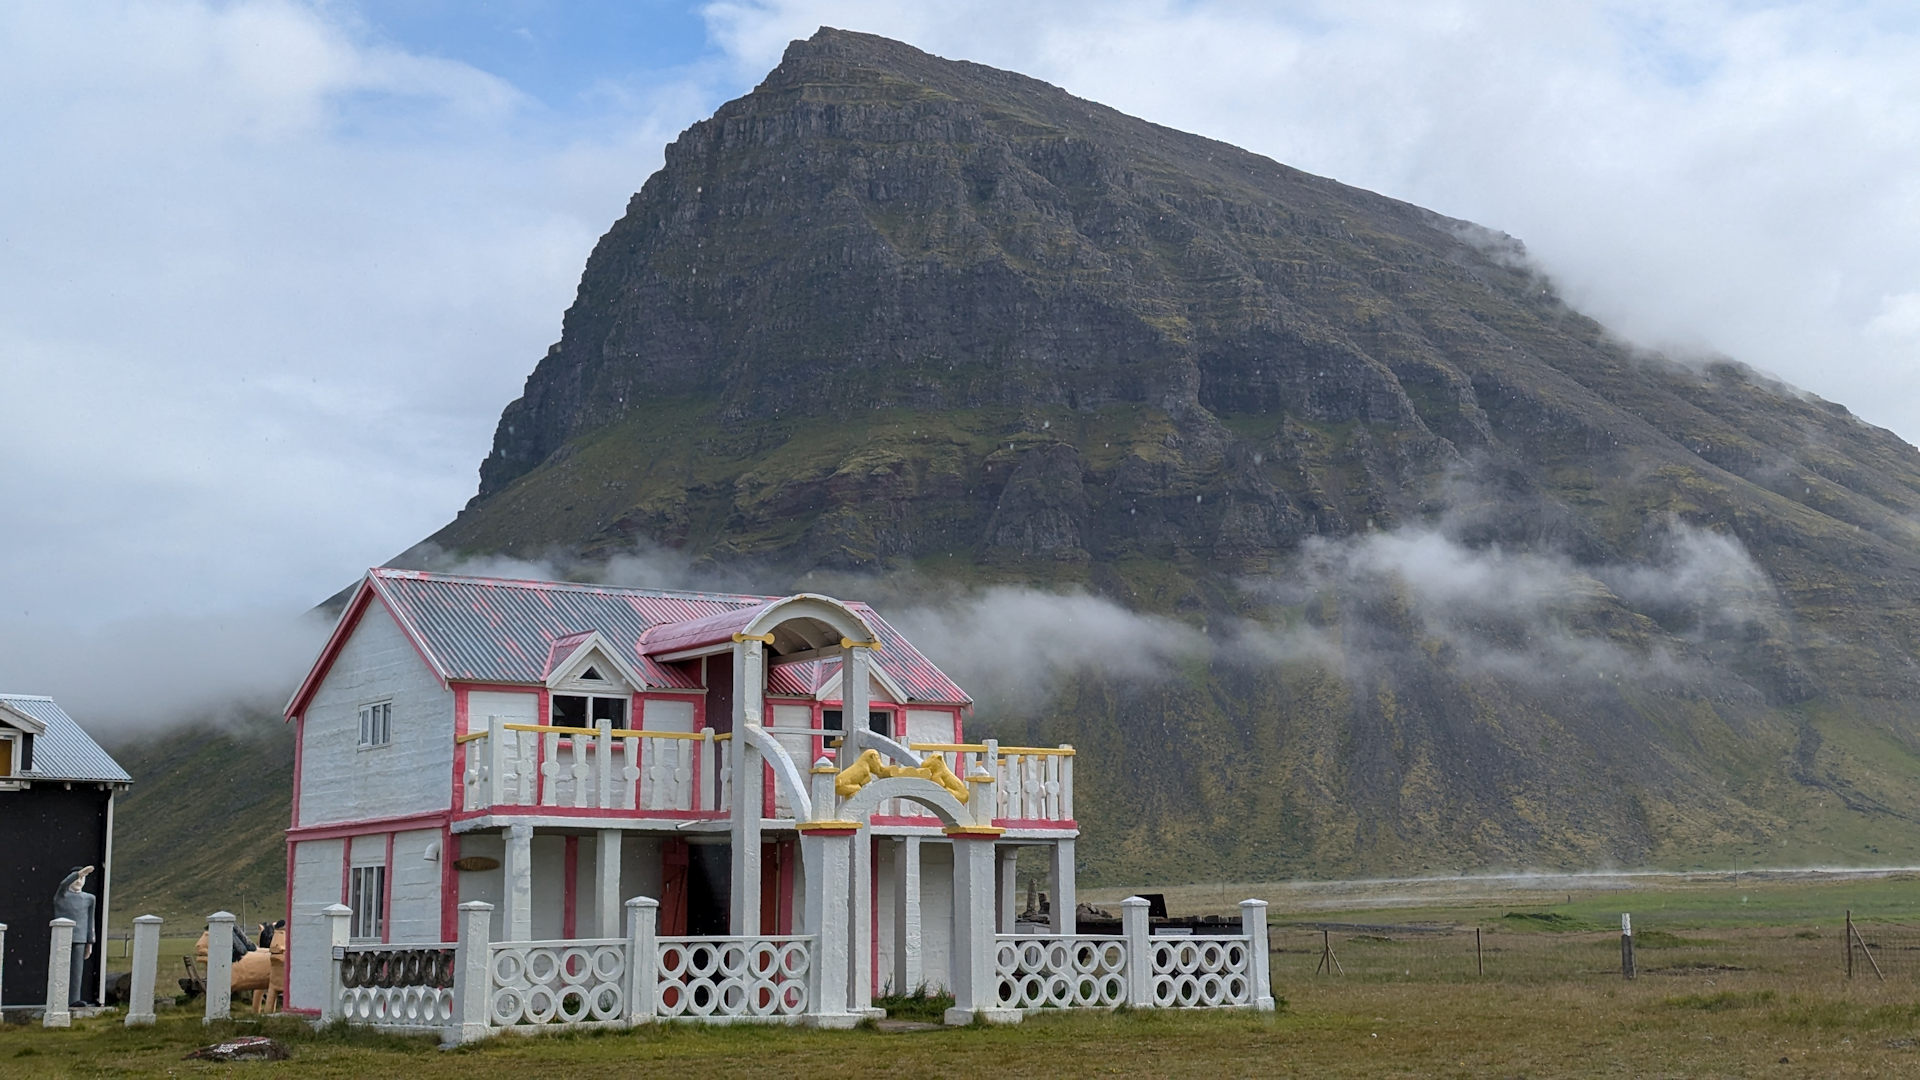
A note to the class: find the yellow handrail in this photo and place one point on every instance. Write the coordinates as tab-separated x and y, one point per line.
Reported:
469	737
981	748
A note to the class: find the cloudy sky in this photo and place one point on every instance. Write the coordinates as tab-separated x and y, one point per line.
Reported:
269	269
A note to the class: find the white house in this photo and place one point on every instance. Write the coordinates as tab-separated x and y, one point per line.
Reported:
553	749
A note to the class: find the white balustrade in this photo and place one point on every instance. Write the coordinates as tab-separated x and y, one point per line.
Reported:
1059	972
395	987
525	765
536	983
1202	972
733	977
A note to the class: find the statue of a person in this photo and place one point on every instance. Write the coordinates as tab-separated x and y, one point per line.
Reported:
73	901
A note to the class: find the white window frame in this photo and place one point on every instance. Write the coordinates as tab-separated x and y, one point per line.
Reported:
376	724
370	916
590	695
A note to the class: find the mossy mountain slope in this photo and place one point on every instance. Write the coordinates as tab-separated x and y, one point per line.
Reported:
891	312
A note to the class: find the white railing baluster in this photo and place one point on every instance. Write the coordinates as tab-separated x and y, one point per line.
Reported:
550	769
603	766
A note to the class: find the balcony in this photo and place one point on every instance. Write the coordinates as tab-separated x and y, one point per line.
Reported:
513	768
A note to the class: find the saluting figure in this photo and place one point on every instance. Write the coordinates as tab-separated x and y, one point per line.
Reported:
73	901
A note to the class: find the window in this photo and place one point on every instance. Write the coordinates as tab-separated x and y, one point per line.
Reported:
376	723
367	896
879	721
587	710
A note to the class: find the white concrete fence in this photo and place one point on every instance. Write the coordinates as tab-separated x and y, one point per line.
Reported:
475	987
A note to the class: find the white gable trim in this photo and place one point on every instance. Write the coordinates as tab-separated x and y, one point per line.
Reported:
830	691
13	717
594	650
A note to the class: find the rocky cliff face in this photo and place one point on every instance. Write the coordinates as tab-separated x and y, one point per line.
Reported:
894	312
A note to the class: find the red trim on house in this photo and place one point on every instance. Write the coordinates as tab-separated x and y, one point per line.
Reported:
350	619
790	852
436	819
497	687
570	888
346	867
1033	823
449	884
386	895
287	968
639	816
299	743
459	748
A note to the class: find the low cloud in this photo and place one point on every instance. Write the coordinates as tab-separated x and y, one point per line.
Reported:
146	676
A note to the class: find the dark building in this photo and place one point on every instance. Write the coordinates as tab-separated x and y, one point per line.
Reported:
56	813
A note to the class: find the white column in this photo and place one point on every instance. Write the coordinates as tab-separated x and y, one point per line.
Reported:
339	919
826	854
473	972
749	782
606	883
146	965
1061	895
973	938
907	972
59	971
219	966
1006	878
1138	932
518	885
1253	923
643	959
860	950
3	953
855	689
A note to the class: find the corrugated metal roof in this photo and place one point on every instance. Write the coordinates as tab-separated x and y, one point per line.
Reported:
64	751
502	630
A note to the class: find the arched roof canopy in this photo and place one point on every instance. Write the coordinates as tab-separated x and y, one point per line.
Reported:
808	621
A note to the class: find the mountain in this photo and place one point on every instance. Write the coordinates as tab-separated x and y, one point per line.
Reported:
1473	582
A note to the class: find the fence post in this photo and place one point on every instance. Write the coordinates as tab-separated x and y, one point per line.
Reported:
219	967
146	964
59	970
1253	923
1626	945
643	959
1479	957
472	972
1135	928
1847	943
339	932
3	959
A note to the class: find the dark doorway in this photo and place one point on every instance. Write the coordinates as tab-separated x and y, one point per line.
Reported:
720	693
709	888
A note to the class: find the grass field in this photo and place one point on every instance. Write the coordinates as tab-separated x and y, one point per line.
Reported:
1736	978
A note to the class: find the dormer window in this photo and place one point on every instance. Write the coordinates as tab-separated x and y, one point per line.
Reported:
587	710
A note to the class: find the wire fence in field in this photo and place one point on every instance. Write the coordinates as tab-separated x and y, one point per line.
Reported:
1883	950
1400	952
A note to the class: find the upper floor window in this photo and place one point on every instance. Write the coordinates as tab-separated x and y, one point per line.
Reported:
587	710
376	723
879	721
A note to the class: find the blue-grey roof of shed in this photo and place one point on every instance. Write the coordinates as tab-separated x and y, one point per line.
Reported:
63	752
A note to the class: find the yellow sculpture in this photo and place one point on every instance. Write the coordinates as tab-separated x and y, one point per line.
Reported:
869	766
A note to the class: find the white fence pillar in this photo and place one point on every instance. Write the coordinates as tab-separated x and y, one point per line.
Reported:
1007	895
643	959
3	960
219	966
1253	923
473	972
908	973
973	938
1062	895
826	854
59	972
339	919
1138	932
517	891
606	879
146	965
860	934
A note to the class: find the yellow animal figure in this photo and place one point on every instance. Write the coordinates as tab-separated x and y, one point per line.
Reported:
869	766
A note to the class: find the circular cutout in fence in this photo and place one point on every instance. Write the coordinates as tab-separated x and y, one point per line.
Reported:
1006	957
575	964
673	959
795	959
1059	990
733	958
1213	989
1033	955
703	961
793	999
509	968
1237	990
509	1006
572	1005
1112	987
543	965
1059	957
607	1002
1210	956
1032	991
733	998
1236	955
542	1004
1112	955
609	964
